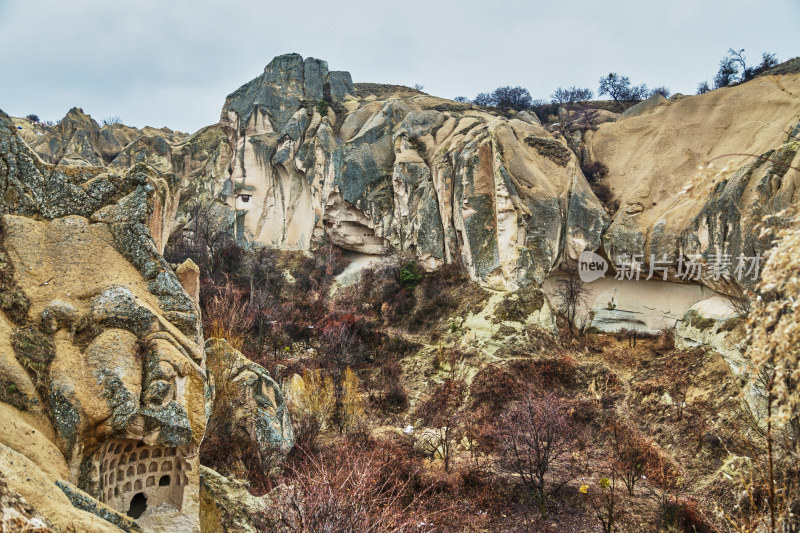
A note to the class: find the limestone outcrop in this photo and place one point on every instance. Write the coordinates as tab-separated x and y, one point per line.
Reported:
103	374
314	160
398	170
79	140
228	507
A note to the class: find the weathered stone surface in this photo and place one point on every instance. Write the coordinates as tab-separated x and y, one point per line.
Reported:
260	413
228	507
107	350
408	173
189	275
714	323
16	514
79	140
83	501
26	478
669	207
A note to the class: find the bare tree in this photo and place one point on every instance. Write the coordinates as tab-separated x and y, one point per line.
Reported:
606	501
441	411
629	459
537	440
738	57
725	74
571	95
619	88
662	90
571	293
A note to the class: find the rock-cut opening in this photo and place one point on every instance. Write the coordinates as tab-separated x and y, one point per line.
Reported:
144	477
138	505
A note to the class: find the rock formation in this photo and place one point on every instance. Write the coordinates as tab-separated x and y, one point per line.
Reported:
396	169
403	171
667	205
104	388
257	409
79	140
302	156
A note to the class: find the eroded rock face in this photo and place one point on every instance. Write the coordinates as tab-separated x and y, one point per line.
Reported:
257	409
405	172
228	507
79	140
103	346
668	206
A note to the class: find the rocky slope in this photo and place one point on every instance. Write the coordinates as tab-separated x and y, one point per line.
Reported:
395	169
403	171
301	155
103	385
750	133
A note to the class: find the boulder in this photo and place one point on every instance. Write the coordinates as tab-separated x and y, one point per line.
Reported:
255	405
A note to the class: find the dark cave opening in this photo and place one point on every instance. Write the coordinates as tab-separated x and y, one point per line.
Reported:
138	505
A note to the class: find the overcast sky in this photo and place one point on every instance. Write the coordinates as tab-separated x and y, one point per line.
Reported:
172	62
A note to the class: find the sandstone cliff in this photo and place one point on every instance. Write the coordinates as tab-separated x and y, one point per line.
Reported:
103	390
383	168
750	133
302	155
404	171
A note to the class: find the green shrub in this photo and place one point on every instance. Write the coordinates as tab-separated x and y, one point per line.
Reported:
410	275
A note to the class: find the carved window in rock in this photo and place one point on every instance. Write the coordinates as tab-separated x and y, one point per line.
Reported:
243	202
131	477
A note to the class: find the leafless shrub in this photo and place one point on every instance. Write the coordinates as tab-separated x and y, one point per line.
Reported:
355	492
441	411
572	293
537	443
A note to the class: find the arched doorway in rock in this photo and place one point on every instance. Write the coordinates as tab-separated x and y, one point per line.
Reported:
138	505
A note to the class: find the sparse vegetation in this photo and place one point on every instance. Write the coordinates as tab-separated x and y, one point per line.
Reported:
410	275
571	95
733	69
507	97
572	294
619	88
538	443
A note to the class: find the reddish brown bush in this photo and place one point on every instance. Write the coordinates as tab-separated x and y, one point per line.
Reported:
391	394
493	388
548	372
353	489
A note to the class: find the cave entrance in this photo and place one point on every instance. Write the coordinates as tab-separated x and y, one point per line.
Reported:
138	505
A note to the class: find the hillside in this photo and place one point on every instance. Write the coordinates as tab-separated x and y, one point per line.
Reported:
359	307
